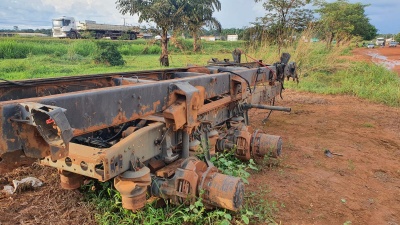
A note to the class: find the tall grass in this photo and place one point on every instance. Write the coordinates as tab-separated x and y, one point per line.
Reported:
333	71
322	70
20	48
360	79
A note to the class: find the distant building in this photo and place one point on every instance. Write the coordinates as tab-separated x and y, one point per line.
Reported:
234	37
208	38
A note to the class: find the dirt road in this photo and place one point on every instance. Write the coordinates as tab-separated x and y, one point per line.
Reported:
361	186
388	57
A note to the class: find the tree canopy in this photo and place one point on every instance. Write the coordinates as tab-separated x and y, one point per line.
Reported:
167	14
283	17
199	14
341	19
173	15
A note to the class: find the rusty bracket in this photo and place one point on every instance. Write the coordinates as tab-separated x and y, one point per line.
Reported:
52	125
238	88
187	107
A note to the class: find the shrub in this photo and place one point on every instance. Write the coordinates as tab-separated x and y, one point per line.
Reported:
109	54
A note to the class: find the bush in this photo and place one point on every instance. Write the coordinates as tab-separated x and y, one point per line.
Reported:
109	54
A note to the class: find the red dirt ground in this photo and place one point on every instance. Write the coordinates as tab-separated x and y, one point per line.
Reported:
362	186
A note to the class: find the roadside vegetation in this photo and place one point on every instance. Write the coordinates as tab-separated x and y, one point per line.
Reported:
334	71
257	208
26	58
322	70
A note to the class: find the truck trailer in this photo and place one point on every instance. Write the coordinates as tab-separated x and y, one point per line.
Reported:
68	27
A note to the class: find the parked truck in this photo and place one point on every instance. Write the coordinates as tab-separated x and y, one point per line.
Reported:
68	27
380	41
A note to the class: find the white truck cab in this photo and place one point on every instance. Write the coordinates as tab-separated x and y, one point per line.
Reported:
380	41
64	27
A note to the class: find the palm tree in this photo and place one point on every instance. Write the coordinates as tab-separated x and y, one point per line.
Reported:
199	14
167	14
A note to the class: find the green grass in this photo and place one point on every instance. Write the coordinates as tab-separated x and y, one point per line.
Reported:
329	71
322	70
257	208
74	64
26	58
361	79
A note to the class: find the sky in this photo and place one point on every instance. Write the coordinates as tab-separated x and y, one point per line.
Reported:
383	14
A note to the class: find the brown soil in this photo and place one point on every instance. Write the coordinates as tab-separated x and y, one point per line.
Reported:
362	186
48	204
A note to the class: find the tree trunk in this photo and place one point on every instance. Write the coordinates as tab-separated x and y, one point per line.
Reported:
164	61
329	41
195	47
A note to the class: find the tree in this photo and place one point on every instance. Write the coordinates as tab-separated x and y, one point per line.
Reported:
284	17
341	19
199	14
167	14
397	37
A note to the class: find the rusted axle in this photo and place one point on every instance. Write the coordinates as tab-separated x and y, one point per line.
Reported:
269	107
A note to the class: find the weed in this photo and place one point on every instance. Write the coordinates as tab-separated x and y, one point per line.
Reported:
350	165
107	202
262	210
228	164
368	125
318	163
270	162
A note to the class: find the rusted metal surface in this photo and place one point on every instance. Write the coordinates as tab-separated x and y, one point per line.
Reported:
248	144
169	170
143	128
14	90
222	191
106	163
266	145
133	186
51	124
194	176
69	180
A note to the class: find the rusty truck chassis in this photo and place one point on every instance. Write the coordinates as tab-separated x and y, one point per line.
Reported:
145	128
